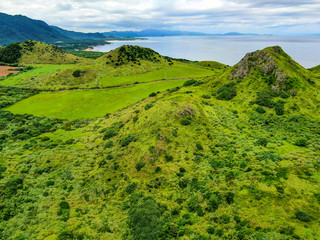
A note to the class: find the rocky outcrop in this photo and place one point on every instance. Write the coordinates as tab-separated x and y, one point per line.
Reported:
264	61
261	59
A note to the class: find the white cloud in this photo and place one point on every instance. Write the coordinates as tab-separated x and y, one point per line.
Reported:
262	16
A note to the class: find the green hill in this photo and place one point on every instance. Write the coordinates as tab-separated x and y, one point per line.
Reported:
213	64
194	162
316	71
129	54
126	66
33	52
269	79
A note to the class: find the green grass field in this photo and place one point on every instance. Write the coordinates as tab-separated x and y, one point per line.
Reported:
81	104
55	77
40	71
173	72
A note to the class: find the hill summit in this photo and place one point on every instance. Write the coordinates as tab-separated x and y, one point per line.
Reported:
35	52
132	54
273	66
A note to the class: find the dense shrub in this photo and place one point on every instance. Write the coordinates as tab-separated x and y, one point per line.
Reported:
303	216
64	211
189	83
2	170
316	195
262	142
211	230
140	165
230	197
206	96
131	187
279	107
13	185
70	141
11	53
199	146
109	144
65	235
185	121
152	94
145	220
127	140
267	155
301	142
264	98
78	73
260	109
227	92
109	156
168	158
148	106
111	132
284	95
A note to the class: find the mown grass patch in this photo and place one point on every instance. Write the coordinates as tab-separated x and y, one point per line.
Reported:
80	104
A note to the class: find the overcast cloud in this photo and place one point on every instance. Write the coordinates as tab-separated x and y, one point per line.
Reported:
210	16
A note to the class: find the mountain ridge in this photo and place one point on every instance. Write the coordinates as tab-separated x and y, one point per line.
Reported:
79	35
20	28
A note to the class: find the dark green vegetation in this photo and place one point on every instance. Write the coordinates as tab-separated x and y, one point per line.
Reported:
133	54
10	95
180	164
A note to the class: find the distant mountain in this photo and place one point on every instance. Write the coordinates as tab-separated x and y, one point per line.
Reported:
237	34
151	33
19	28
78	35
162	33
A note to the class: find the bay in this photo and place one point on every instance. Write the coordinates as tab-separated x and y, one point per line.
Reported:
227	49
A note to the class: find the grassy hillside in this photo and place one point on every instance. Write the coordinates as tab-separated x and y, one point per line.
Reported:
42	53
213	64
271	80
80	104
130	65
32	52
129	54
38	73
205	161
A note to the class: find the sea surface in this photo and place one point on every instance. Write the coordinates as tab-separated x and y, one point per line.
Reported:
227	49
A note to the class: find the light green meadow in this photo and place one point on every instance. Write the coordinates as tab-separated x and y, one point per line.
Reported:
79	104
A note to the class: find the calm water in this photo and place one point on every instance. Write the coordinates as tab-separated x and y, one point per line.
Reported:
227	50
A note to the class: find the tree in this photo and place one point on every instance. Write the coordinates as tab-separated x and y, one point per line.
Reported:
145	220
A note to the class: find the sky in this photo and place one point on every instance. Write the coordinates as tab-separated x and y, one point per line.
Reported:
283	17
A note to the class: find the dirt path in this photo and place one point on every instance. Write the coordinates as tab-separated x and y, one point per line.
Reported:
5	70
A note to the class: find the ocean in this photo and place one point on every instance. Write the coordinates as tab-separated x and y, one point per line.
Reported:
227	49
